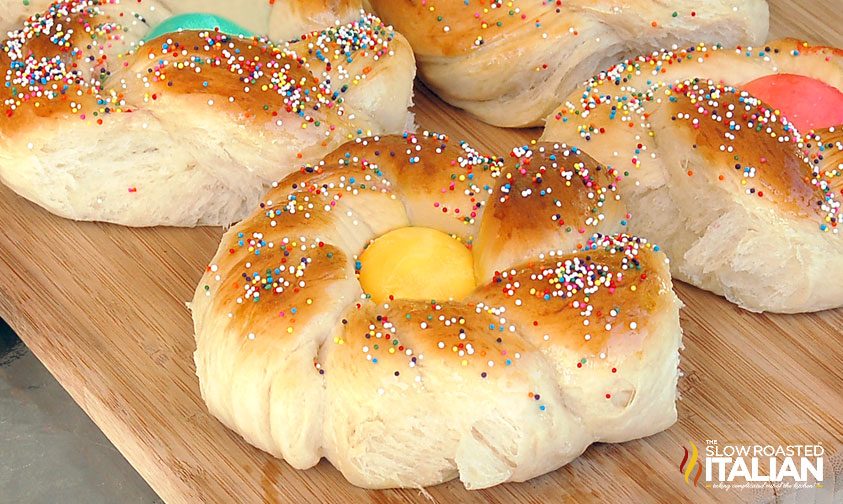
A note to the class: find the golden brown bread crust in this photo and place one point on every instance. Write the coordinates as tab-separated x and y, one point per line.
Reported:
508	62
397	335
90	109
229	65
450	28
548	197
441	184
260	285
280	20
292	354
733	130
616	111
67	65
541	197
570	347
794	47
613	284
313	207
737	196
732	66
567	186
96	68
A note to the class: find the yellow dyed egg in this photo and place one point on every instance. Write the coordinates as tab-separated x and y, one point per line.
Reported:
417	263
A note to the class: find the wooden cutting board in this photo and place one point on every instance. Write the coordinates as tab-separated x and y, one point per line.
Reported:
104	308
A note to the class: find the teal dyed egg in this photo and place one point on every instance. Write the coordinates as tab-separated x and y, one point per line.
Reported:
197	21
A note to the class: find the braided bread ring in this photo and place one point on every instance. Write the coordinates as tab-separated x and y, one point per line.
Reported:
508	63
746	206
557	351
189	128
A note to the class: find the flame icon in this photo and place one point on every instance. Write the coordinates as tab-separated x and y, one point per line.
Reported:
687	465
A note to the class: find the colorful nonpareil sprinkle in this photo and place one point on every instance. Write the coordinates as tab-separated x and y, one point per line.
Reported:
82	57
284	268
626	95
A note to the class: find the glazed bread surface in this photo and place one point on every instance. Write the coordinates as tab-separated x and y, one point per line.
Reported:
745	205
189	128
553	351
509	63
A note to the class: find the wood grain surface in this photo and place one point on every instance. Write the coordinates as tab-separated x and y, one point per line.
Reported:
104	308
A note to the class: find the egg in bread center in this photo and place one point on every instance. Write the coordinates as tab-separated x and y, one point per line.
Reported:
416	263
807	103
196	21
